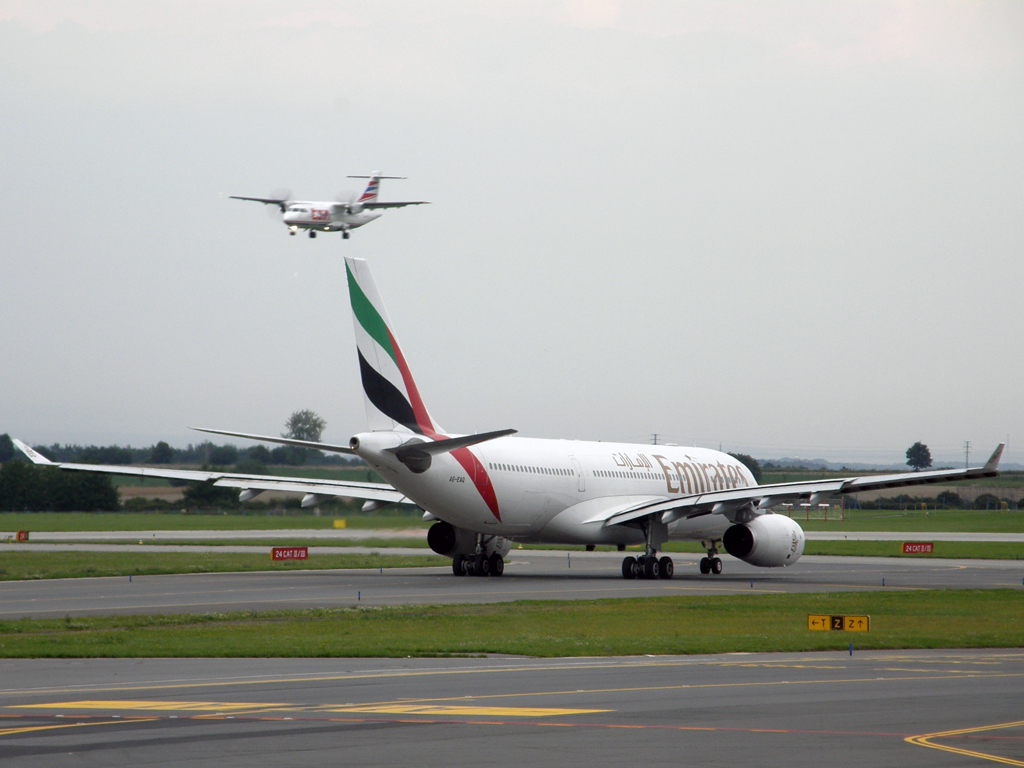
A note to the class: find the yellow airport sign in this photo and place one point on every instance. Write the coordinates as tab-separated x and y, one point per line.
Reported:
856	623
817	623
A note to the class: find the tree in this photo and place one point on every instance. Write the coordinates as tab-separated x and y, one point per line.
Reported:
222	455
259	453
162	454
918	456
751	464
6	448
304	425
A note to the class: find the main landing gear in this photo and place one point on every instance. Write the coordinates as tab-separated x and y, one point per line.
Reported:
312	234
712	563
480	564
344	234
648	566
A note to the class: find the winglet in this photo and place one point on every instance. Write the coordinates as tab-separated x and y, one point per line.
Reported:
34	455
993	461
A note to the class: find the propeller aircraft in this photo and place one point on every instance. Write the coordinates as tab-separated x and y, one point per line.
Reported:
337	216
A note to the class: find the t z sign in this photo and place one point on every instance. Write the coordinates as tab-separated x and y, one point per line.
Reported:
289	553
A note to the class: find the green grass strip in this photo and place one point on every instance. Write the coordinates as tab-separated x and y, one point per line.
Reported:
16	566
671	625
980	550
175	521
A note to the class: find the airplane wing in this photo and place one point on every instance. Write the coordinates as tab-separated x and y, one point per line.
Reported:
282	204
381	492
763	497
394	205
282	440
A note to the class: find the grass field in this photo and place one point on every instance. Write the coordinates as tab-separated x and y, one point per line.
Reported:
950	520
673	625
164	521
64	565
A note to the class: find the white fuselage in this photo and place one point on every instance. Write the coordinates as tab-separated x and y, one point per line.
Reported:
540	486
325	217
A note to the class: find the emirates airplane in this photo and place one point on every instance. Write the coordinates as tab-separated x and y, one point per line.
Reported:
488	490
338	216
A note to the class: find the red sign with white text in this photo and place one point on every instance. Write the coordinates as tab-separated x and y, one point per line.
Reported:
917	548
289	553
22	536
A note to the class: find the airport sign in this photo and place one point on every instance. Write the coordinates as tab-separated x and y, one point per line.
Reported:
289	553
818	623
918	547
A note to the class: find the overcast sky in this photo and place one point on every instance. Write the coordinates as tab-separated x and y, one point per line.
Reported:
785	228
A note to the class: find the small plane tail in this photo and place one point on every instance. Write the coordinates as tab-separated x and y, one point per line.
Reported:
372	189
393	402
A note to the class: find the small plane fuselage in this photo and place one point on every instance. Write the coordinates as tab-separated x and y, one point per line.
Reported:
324	217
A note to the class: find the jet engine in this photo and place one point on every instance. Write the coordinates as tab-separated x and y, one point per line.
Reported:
768	541
445	539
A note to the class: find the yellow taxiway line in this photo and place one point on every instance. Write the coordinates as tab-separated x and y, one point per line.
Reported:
925	741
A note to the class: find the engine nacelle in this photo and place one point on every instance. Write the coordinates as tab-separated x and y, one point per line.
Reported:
445	539
768	541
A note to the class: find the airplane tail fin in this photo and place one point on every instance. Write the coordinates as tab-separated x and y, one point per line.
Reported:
372	189
392	400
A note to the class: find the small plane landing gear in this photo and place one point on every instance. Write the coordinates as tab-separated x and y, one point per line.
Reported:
712	563
312	234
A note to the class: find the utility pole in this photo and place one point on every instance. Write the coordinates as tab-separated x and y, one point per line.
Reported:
967	454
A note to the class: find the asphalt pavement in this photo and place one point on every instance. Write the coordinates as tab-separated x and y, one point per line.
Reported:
884	708
529	575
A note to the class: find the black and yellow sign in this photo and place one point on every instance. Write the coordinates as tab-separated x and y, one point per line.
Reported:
839	623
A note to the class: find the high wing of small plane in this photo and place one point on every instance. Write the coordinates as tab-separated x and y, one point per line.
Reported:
333	216
486	490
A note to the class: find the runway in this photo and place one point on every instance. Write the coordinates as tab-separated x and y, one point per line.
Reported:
529	575
883	708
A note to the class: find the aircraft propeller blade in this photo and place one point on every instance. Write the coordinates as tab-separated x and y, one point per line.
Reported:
277	211
350	200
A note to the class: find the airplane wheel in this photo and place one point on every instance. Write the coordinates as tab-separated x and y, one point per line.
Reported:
481	565
667	567
651	568
705	565
292	233
459	565
497	564
344	235
629	568
716	565
312	234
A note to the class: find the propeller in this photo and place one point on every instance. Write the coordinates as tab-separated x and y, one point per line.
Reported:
350	200
277	211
